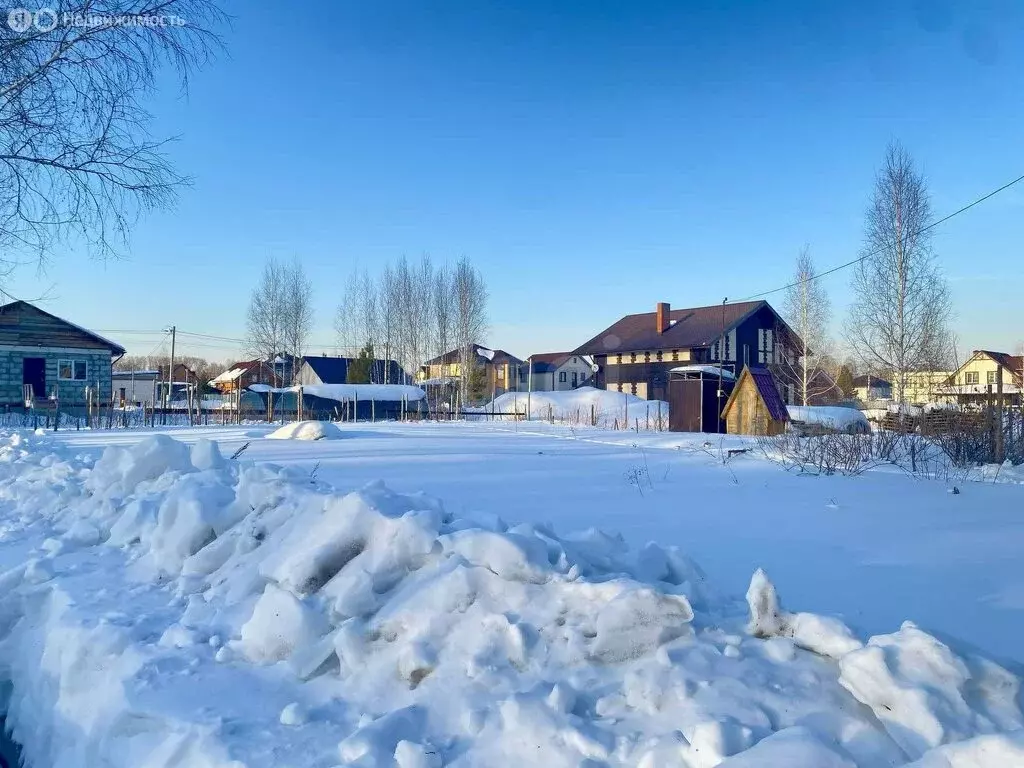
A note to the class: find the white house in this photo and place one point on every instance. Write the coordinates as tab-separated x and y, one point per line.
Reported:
555	372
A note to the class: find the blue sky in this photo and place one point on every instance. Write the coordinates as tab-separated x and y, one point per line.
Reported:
591	158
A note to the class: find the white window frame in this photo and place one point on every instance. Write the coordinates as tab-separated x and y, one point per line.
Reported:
72	363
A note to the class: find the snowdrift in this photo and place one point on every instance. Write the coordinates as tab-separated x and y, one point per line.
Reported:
163	606
575	406
307	430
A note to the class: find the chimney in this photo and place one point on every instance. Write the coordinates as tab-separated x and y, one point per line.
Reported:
663	311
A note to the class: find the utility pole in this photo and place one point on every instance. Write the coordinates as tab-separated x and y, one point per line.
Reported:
173	330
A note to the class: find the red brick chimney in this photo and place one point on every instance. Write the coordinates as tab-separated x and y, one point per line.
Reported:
663	311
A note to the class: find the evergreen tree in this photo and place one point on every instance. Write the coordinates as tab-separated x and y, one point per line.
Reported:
844	380
359	370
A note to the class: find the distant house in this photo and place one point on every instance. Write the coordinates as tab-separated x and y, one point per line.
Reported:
921	387
636	354
334	370
823	389
138	388
868	387
755	406
555	372
977	380
243	374
53	358
501	369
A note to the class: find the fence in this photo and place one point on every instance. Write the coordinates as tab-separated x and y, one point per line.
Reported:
278	410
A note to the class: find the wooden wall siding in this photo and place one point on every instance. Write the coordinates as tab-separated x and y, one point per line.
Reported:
70	392
748	414
23	325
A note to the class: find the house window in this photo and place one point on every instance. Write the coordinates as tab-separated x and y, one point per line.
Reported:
72	370
561	377
971	377
658	357
675	355
632	357
990	376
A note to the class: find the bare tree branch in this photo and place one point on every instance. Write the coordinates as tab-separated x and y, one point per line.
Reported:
76	159
897	323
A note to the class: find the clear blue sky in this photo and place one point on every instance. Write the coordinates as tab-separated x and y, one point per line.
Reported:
590	157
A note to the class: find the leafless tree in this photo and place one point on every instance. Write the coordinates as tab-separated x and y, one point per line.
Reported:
808	312
266	326
76	160
901	306
470	294
410	312
298	312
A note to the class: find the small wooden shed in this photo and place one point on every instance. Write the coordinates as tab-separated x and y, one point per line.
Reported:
755	406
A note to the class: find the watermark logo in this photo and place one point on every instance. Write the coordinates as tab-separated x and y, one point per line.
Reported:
20	19
47	19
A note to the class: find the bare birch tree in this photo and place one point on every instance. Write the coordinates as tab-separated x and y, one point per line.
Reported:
443	311
76	160
298	312
897	323
808	311
266	326
470	296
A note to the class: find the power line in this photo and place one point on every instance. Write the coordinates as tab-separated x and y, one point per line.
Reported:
875	252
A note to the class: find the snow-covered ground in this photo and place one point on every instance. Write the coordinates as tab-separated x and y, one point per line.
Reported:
583	406
168	605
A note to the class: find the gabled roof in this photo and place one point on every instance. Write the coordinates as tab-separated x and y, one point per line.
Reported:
867	380
765	385
334	370
1012	362
545	362
689	328
483	355
20	305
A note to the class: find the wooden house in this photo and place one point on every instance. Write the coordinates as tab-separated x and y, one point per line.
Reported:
58	360
979	379
637	353
500	369
755	406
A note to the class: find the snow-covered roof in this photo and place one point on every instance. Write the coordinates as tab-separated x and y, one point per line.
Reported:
710	370
227	376
344	392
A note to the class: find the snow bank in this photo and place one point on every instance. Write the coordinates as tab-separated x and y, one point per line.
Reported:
830	417
307	430
164	606
576	405
347	392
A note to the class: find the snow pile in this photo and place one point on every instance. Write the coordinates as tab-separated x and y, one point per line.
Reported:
347	392
577	406
165	606
307	430
830	417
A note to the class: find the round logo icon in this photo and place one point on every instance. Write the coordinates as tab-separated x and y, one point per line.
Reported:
46	19
19	19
